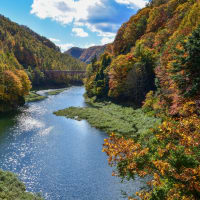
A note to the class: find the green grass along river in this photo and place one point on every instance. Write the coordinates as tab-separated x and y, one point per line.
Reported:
60	158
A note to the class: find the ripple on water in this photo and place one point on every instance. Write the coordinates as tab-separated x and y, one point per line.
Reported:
30	123
46	131
58	157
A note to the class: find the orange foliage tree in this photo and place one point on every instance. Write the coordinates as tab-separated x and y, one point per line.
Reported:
14	86
168	154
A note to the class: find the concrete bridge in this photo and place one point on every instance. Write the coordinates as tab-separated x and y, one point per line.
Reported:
65	72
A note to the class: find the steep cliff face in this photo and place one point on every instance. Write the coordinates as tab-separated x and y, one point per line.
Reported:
86	55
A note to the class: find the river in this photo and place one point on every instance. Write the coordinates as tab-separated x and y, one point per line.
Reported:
58	157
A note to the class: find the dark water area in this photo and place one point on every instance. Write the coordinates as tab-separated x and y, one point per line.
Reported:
58	157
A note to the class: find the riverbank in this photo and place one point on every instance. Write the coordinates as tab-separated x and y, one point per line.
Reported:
34	96
110	117
55	92
42	149
12	188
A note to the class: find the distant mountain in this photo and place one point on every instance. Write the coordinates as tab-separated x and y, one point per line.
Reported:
76	52
86	55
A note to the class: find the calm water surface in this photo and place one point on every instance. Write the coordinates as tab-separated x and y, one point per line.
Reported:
59	157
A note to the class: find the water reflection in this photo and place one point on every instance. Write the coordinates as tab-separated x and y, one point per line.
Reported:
59	157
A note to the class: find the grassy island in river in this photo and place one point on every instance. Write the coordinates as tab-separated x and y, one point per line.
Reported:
111	117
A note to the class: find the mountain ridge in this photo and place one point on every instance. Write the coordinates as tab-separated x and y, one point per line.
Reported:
86	54
24	58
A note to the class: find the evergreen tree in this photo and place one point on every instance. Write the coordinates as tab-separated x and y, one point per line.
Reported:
187	67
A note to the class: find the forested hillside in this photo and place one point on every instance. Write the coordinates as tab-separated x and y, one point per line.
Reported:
141	50
23	52
156	54
86	55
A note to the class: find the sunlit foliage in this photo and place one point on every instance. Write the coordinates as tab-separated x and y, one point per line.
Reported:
96	81
14	85
22	48
24	52
156	29
169	154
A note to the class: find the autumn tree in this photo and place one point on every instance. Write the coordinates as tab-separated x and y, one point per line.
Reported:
14	85
186	69
97	76
169	153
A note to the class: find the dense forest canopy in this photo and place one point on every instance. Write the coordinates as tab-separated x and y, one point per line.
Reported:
156	54
24	47
140	51
23	52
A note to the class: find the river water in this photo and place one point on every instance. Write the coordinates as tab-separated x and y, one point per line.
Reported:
58	157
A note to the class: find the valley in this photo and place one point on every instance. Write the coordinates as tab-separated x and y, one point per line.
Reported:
106	106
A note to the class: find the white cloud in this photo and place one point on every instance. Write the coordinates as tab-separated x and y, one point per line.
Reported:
107	40
80	32
133	3
97	28
65	47
55	9
90	45
54	40
101	16
104	34
64	11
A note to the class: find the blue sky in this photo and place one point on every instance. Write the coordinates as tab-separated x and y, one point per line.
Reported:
68	23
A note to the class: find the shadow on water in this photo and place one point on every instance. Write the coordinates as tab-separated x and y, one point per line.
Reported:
7	120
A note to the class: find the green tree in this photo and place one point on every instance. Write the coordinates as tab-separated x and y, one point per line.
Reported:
186	70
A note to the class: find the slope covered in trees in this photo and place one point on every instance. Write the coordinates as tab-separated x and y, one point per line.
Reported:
139	47
31	49
157	49
86	55
23	52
